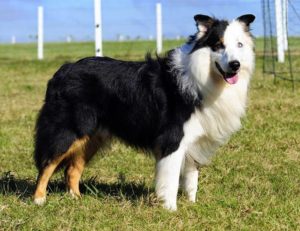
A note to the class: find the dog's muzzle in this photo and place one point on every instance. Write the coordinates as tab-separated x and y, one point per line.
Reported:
230	77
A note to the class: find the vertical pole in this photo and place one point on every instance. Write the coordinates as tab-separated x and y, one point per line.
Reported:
158	28
265	35
13	39
279	31
40	33
284	25
98	28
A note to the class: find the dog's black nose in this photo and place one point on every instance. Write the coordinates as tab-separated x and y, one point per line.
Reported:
234	65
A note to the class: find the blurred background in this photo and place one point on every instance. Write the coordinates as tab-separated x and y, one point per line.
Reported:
122	20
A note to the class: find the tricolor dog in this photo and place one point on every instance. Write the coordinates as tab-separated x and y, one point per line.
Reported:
181	106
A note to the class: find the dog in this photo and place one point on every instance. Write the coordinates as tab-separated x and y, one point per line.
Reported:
181	106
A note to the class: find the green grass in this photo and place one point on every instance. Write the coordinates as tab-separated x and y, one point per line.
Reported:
252	184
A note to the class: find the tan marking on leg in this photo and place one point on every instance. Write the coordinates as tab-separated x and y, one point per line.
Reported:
77	163
47	172
73	174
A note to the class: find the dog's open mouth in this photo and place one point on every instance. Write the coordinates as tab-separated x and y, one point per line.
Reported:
229	77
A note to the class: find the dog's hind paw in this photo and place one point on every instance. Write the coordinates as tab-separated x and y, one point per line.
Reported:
75	195
40	201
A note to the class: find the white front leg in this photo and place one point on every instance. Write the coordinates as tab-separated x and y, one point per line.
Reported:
189	177
167	178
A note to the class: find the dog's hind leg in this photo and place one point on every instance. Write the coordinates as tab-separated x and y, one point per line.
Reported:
77	163
47	171
73	173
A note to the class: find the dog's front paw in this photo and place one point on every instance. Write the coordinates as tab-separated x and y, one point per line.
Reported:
191	195
169	205
169	202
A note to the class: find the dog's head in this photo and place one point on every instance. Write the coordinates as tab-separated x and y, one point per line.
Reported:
229	44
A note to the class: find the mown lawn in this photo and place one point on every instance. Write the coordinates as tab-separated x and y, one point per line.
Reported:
253	184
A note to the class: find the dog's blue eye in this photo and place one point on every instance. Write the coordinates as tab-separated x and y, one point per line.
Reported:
240	44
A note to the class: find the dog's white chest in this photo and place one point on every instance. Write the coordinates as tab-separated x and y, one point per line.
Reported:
212	126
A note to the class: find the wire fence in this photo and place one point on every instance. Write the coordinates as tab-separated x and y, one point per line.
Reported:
290	69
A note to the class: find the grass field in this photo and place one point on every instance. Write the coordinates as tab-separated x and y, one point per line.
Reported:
252	184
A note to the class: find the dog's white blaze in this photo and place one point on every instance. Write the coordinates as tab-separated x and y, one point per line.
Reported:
235	33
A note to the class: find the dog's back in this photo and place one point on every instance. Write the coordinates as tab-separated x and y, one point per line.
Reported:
134	101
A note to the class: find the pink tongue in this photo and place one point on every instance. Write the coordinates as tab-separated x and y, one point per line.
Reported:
232	79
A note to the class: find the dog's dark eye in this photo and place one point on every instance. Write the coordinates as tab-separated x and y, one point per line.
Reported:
240	44
218	46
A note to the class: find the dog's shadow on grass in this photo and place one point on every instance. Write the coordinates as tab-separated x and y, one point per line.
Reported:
121	189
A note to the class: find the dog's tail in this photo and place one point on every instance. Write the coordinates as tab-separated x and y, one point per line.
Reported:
53	131
52	136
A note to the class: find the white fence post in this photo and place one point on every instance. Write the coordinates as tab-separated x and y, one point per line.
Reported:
13	39
285	23
40	33
98	28
158	28
279	30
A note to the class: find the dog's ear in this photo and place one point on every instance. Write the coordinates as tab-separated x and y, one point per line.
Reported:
203	22
247	19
